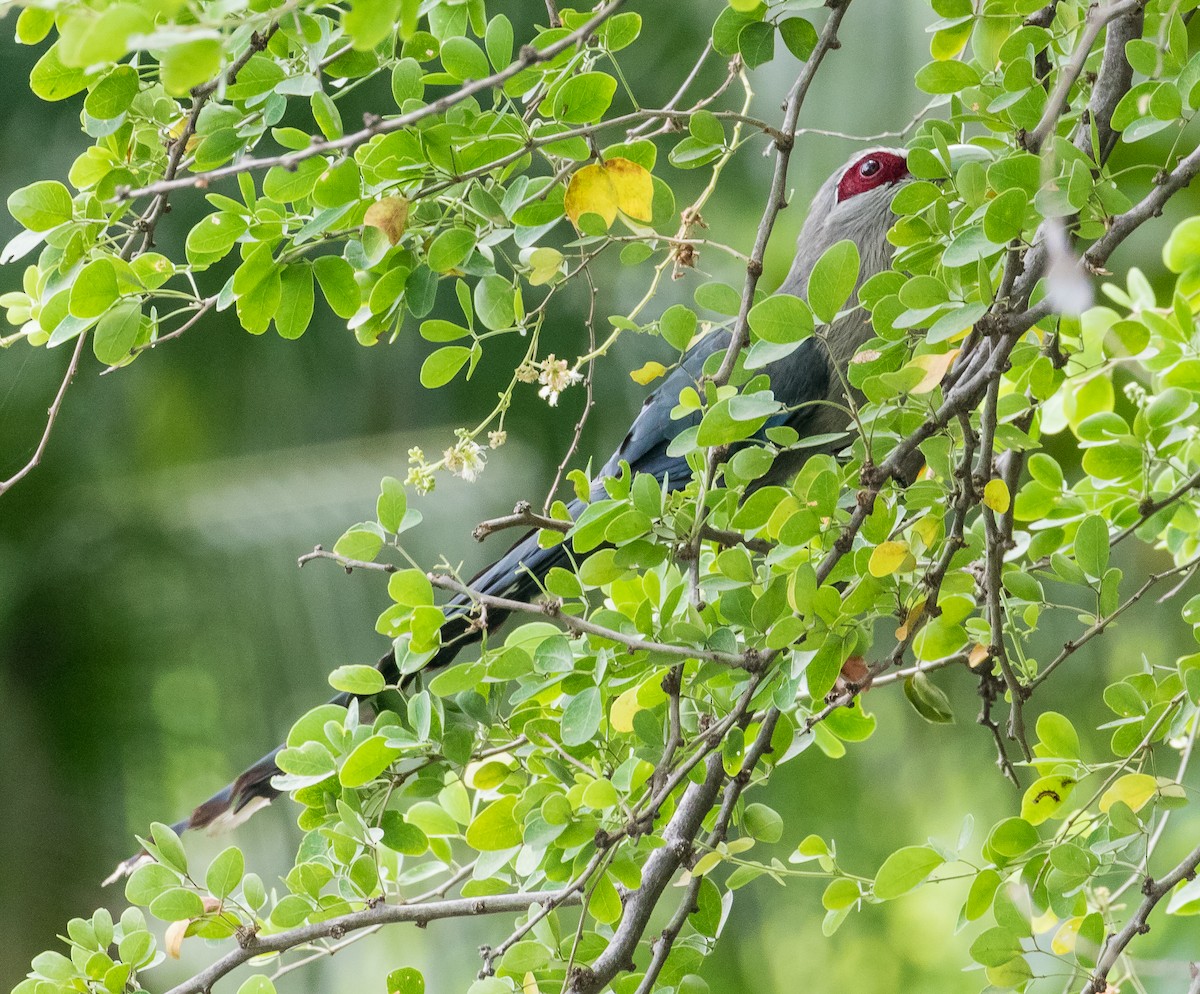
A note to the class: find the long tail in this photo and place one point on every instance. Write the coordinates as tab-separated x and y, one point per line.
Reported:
515	576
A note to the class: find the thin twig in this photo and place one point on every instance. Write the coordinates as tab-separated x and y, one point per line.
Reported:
528	57
380	914
751	659
51	417
1138	924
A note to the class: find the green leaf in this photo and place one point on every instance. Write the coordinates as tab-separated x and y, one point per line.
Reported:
52	80
782	319
368	22
369	758
463	59
336	277
406	980
979	898
678	326
1046	797
33	25
442	366
495	828
176	905
840	893
112	96
1091	545
929	701
584	98
946	77
450	248
996	946
170	848
260	983
213	237
799	36
361	542
95	289
1004	218
905	869
832	280
407	83
498	40
117	333
763	823
357	679
391	504
524	957
41	206
410	587
495	302
311	762
260	75
1058	736
756	43
148	881
189	64
1182	248
257	288
581	717
289	185
325	113
295	301
225	872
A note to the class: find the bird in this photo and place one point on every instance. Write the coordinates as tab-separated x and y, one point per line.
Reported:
853	203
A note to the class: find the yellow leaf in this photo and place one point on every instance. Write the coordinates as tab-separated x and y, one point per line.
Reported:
1135	789
977	655
530	985
545	263
1046	797
927	530
620	715
634	188
389	215
914	615
651	693
887	558
648	373
706	863
1064	938
996	496
173	939
605	188
590	191
935	367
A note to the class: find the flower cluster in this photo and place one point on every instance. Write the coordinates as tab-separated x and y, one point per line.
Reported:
465	458
420	478
555	376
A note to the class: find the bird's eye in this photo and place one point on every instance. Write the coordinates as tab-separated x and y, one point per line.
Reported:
869	168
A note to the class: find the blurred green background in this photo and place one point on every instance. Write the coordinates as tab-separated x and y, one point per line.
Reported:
156	635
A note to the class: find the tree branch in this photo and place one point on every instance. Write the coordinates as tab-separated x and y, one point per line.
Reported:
1138	924
1097	19
51	417
526	58
380	914
751	659
777	197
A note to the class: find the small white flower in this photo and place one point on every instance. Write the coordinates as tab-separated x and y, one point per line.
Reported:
555	377
497	438
465	459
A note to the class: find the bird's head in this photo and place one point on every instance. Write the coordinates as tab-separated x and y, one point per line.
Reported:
855	203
